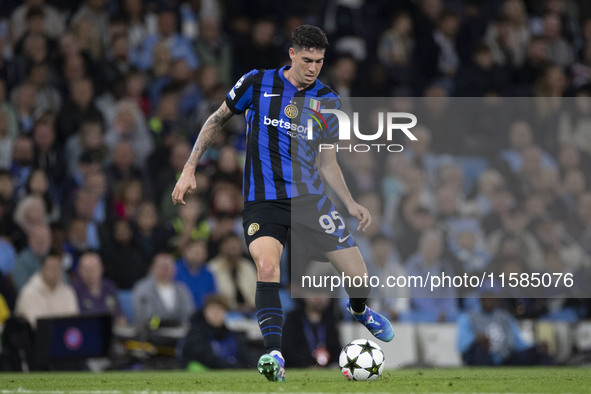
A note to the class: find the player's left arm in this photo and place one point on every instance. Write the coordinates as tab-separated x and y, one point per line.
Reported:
331	172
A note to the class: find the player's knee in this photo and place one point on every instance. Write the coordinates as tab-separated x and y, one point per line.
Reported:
268	271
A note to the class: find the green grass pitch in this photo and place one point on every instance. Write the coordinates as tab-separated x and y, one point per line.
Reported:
497	380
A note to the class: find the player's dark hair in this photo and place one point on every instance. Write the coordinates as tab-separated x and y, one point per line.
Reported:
308	37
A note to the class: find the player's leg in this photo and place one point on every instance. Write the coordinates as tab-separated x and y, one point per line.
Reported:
350	262
266	253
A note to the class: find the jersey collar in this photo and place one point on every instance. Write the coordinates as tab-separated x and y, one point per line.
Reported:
288	83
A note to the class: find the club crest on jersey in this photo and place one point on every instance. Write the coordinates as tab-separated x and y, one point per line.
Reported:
253	228
291	111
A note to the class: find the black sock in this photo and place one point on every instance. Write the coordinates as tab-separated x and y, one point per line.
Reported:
357	304
269	314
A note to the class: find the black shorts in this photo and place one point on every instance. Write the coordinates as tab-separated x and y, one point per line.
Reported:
314	222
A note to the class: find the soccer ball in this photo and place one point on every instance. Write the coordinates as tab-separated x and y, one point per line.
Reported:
361	359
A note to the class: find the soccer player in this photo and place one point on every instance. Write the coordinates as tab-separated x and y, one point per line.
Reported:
283	174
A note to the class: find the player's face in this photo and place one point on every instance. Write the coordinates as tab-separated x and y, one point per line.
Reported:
306	64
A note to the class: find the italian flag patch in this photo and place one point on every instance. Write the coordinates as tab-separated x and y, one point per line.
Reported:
314	104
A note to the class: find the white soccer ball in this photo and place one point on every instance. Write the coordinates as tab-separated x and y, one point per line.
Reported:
361	359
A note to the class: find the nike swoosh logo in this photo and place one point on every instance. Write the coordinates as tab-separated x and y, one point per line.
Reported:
341	239
270	95
262	321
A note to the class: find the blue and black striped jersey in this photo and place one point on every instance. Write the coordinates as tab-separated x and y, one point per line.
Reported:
280	160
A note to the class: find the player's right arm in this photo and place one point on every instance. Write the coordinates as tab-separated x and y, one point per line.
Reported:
212	127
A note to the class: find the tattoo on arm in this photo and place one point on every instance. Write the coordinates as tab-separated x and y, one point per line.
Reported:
211	128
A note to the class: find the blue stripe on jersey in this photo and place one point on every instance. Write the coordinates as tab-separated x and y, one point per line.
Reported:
251	188
264	154
285	146
243	102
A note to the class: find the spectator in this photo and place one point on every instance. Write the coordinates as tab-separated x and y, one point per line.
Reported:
39	185
124	263
536	62
127	198
395	49
579	222
29	260
487	184
181	78
190	224
7	110
122	165
88	38
22	162
520	138
6	141
193	271
509	35
48	97
575	122
78	109
552	237
342	78
129	125
466	244
560	52
77	240
501	201
161	57
49	155
492	337
417	219
45	294
168	173
235	276
152	237
24	103
480	78
159	300
7	256
140	22
228	167
429	259
29	212
179	46
95	294
573	185
259	51
514	224
4	311
89	138
212	344
53	20
117	63
214	49
311	333
95	13
386	262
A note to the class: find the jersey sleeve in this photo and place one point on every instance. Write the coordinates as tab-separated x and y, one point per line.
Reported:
240	97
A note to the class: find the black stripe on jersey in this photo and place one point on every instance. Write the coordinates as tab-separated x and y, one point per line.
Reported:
247	164
275	113
325	90
255	159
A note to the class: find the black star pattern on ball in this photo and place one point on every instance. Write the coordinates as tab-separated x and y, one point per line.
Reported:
366	348
352	364
373	370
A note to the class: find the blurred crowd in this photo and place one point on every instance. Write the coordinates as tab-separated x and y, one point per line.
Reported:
101	101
